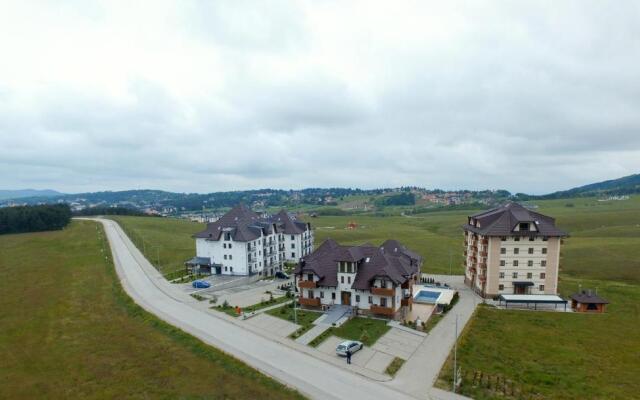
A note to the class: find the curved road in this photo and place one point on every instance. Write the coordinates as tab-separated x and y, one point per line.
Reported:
311	376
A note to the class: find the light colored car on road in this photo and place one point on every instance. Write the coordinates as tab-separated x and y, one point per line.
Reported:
352	345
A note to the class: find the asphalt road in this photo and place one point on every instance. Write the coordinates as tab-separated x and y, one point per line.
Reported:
311	376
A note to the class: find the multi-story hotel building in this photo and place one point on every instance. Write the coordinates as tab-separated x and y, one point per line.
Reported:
512	250
243	242
375	280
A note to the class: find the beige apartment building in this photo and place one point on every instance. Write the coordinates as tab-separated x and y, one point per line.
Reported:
512	250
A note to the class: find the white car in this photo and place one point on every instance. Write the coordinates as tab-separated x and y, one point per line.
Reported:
352	345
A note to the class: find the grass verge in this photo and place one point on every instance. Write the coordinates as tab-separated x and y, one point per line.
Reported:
394	366
366	330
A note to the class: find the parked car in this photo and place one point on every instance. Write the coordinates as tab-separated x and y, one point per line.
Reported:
200	284
281	275
352	345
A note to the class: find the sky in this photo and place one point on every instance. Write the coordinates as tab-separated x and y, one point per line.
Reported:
204	96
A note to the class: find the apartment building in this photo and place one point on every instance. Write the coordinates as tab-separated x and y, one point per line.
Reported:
512	250
374	280
243	242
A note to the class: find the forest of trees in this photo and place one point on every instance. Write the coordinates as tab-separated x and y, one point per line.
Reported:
402	199
108	211
34	218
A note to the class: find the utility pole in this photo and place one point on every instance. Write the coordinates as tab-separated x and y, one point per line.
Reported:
455	358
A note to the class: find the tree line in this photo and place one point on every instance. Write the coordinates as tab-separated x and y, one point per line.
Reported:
108	211
34	218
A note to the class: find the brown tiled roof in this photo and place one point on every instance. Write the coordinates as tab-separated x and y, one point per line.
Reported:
391	260
289	226
502	221
588	297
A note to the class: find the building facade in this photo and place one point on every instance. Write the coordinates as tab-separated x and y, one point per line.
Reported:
512	250
243	242
373	280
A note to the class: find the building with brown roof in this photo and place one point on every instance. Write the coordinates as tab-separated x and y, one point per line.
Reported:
243	242
512	250
588	301
374	279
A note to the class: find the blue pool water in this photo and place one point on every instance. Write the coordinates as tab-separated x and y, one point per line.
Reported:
426	296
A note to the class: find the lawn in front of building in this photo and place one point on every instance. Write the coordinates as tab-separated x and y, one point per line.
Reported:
366	330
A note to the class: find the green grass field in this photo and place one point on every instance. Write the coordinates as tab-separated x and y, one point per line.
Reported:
366	330
167	240
68	330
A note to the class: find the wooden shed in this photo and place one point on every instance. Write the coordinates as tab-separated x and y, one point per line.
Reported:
587	301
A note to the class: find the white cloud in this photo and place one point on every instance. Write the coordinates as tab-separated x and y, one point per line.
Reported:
201	96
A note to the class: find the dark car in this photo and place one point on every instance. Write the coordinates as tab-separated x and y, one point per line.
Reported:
201	284
281	275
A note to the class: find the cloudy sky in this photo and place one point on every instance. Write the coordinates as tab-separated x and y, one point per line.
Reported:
224	95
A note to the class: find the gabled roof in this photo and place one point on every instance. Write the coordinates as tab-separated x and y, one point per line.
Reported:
501	221
240	222
392	261
588	297
289	226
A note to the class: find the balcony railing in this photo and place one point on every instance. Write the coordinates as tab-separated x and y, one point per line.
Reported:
307	284
382	291
309	302
381	310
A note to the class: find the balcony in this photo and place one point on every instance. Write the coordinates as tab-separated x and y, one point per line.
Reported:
472	270
307	284
382	291
407	301
380	310
483	254
482	278
309	302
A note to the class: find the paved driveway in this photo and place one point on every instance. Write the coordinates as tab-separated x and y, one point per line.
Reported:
273	325
313	377
399	343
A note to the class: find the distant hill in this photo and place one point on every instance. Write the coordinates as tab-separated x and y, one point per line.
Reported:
614	187
18	194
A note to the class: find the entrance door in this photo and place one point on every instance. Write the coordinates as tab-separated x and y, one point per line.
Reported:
519	290
346	298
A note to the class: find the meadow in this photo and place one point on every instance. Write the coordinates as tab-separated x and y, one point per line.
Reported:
68	330
543	355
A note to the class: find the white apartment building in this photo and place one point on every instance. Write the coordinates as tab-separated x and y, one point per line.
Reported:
512	250
243	242
375	280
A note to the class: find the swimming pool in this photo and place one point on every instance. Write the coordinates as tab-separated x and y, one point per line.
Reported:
427	296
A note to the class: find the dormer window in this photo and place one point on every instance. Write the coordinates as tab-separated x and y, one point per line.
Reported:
524	226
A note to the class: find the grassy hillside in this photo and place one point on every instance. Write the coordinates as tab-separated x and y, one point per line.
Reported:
166	242
68	330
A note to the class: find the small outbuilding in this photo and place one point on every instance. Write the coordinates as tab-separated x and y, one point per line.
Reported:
587	301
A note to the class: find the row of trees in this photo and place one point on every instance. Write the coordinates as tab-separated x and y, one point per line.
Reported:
108	211
34	218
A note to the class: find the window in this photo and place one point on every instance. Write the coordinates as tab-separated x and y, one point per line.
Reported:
517	238
383	301
530	250
224	245
231	269
309	277
226	269
370	300
541	288
348	279
500	287
293	255
322	295
229	245
502	263
292	237
503	250
516	251
311	294
543	275
530	263
503	238
342	279
544	250
230	257
515	275
501	275
529	275
515	263
524	226
225	256
333	295
293	245
357	298
531	238
543	263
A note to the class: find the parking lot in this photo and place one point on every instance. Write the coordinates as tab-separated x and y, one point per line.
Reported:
240	291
